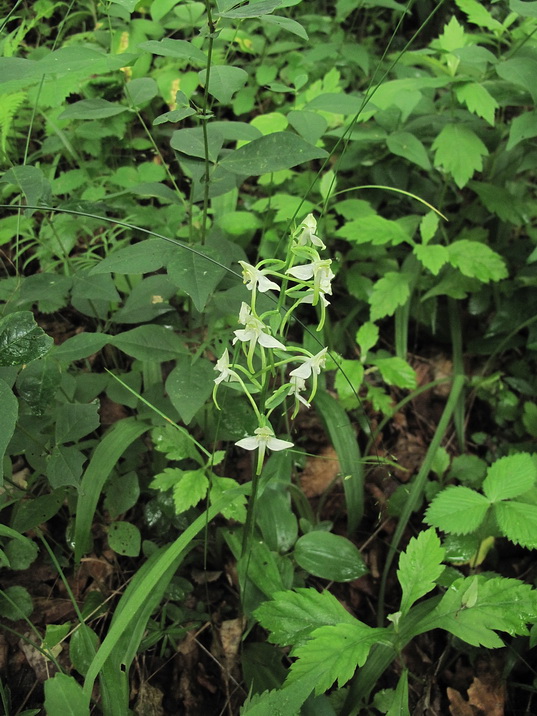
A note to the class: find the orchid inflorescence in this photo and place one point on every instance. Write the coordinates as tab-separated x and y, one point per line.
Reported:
262	338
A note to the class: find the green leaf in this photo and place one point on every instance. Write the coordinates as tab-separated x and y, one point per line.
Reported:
518	522
260	566
478	100
96	108
522	127
198	274
15	603
457	509
83	647
310	125
176	442
419	567
329	556
399	705
144	257
63	695
432	256
236	508
429	226
460	152
38	383
405	144
497	604
49	290
286	24
500	201
271	153
64	466
478	14
32	183
255	8
389	292
175	48
122	493
191	141
224	81
349	378
396	371
333	653
289	615
31	513
524	7
74	421
124	538
520	71
278	523
151	342
477	260
80	346
189	385
190	489
21	339
141	90
21	552
510	476
367	337
375	229
8	421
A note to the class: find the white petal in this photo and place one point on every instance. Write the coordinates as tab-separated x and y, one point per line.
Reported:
303	371
266	284
301	272
249	443
242	335
277	444
269	342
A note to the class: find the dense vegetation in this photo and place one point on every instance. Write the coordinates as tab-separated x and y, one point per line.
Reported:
268	347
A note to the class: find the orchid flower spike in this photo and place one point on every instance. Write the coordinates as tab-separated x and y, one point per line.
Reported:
255	279
262	440
307	231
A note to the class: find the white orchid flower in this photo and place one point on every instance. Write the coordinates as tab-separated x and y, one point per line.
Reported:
263	439
320	272
310	366
255	279
254	331
225	372
296	386
307	234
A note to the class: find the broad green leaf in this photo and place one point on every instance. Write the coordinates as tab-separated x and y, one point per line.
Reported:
80	346
399	705
124	538
191	141
255	8
459	510
21	552
151	342
349	378
497	604
96	108
530	418
31	513
64	466
175	48
329	556
396	371
406	145
509	477
287	700
460	152
367	337
310	125
333	653
127	4
74	421
477	260
141	90
32	183
190	489
15	603
289	615
275	518
420	565
50	291
336	103
198	274
189	385
478	14
8	421
500	201
144	257
478	100
64	695
432	256
522	127
375	229
518	522
83	647
21	339
389	292
224	81
520	71
286	23
122	493
279	150
260	566
236	508
524	7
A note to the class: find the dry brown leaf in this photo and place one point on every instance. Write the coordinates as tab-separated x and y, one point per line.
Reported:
149	701
319	472
488	696
457	705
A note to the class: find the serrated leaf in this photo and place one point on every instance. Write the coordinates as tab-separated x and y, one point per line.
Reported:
21	339
198	274
500	201
478	14
329	556
460	152
375	229
176	442
429	226
224	81
459	510
333	653
432	256
500	604
389	292
95	108
271	153
405	144
420	565
477	260
396	371
510	476
191	488
478	100
518	522
289	615
151	342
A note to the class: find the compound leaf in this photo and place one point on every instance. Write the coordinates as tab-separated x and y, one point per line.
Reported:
459	510
477	260
419	567
510	476
460	152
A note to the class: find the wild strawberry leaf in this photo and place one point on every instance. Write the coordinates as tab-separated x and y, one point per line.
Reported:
419	567
459	510
510	476
518	522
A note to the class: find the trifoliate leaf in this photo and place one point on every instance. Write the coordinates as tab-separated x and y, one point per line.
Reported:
289	615
191	488
510	476
460	152
419	567
477	260
389	293
518	522
457	509
333	653
478	100
432	256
